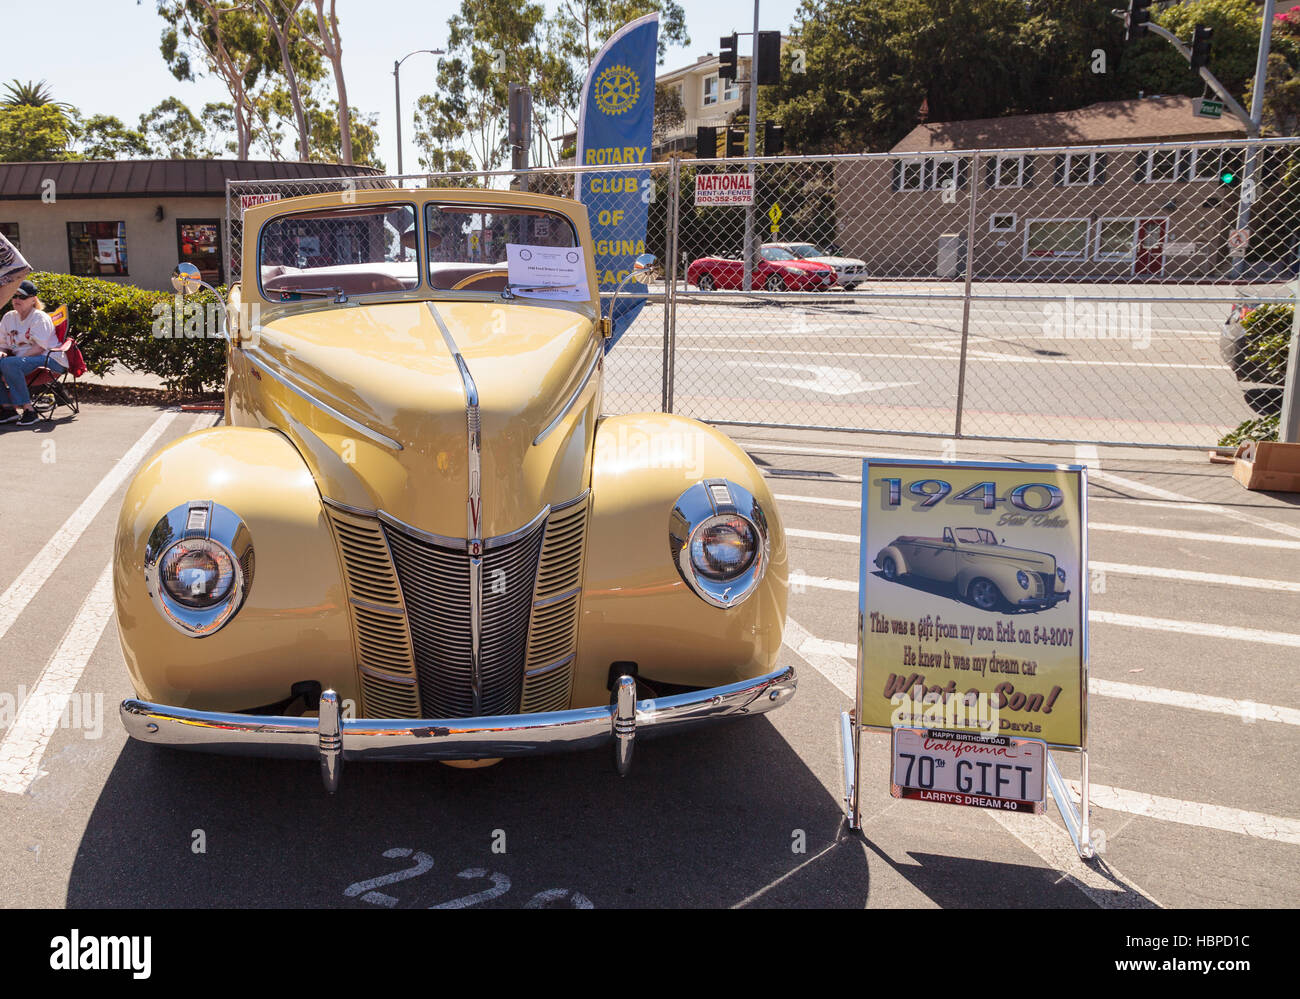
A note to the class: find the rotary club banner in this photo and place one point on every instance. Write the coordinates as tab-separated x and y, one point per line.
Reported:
616	125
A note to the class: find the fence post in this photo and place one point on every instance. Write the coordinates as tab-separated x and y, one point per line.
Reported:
1288	424
672	216
973	179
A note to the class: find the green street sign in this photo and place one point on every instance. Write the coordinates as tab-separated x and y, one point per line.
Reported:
1205	108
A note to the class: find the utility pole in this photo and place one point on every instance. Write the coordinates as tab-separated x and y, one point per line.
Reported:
748	281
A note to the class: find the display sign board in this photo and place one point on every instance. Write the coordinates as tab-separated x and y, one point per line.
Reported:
1203	107
713	189
972	599
247	201
959	768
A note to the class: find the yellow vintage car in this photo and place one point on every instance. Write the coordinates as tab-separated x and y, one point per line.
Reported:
415	535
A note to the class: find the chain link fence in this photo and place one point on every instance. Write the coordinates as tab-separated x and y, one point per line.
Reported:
1090	294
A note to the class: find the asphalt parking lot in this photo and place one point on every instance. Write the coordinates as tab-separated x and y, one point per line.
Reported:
1194	714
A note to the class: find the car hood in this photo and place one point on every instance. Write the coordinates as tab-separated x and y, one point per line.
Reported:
838	261
1037	561
387	371
802	264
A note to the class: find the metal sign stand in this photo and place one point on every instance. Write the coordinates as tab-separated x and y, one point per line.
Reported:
1074	815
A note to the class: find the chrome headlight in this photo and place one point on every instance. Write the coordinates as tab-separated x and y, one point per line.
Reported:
199	567
1060	574
718	540
1022	579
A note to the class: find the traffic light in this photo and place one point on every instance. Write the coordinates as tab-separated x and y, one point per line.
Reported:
769	57
1201	46
728	57
1228	176
706	141
773	139
735	142
1139	13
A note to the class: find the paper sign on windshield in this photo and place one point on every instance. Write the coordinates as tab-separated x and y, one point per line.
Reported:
554	272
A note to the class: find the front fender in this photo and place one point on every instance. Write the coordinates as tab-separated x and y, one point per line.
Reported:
1001	575
635	605
899	561
293	624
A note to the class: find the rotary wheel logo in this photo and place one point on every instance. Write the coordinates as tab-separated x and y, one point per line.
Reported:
617	90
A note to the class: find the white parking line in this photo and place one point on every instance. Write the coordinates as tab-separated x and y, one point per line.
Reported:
1193	813
1189	576
39	715
1217	539
799	532
44	562
829	664
819	500
1247	711
1192	503
1106	888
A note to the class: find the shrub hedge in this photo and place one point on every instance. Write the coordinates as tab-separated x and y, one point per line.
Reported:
1268	331
116	323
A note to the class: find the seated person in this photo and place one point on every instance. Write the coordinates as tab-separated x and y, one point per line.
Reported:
26	336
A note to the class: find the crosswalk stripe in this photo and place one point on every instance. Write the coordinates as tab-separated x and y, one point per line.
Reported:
40	714
34	575
1257	825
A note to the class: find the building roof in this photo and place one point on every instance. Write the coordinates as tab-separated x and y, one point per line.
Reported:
1150	119
153	178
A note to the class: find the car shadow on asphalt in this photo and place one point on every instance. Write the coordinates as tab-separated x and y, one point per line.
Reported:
704	819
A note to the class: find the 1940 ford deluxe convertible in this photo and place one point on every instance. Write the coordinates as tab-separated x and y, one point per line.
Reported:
415	536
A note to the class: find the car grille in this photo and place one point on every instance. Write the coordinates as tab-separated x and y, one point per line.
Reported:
1049	583
408	598
435	584
382	641
553	634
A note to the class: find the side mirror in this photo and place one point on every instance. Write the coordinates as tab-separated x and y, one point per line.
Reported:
645	262
186	279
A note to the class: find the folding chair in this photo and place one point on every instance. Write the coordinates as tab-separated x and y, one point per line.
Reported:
51	389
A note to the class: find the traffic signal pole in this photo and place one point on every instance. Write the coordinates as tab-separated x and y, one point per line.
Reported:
748	280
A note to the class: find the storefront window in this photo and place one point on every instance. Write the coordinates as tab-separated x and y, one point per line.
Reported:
97	249
199	243
9	230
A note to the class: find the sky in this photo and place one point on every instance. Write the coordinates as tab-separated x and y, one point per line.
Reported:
103	56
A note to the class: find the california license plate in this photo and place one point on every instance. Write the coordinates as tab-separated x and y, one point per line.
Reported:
960	768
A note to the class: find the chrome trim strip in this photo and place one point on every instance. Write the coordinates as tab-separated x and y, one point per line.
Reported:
448	738
260	360
557	507
473	510
573	399
505	539
405	681
355	510
557	597
457	544
550	666
378	608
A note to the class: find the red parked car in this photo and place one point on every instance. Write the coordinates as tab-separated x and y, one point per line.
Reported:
779	270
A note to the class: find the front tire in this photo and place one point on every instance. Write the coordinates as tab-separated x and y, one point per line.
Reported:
984	594
889	568
774	283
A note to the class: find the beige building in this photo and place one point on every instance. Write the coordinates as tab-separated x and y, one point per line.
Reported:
706	98
1042	211
131	221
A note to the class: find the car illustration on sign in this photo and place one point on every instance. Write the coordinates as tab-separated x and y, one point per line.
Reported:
416	534
990	574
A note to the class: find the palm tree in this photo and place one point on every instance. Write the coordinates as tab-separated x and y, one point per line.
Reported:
29	94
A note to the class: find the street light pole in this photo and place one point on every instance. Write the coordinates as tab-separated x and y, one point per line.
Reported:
397	93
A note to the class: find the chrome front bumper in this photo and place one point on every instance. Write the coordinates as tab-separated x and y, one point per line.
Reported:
332	739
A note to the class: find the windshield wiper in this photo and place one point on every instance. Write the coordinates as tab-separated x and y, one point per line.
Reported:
339	296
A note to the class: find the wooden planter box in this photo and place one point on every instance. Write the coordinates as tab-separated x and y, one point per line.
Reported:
1268	466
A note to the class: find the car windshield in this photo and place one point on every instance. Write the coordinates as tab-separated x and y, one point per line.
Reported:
777	253
467	244
806	250
353	249
975	536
